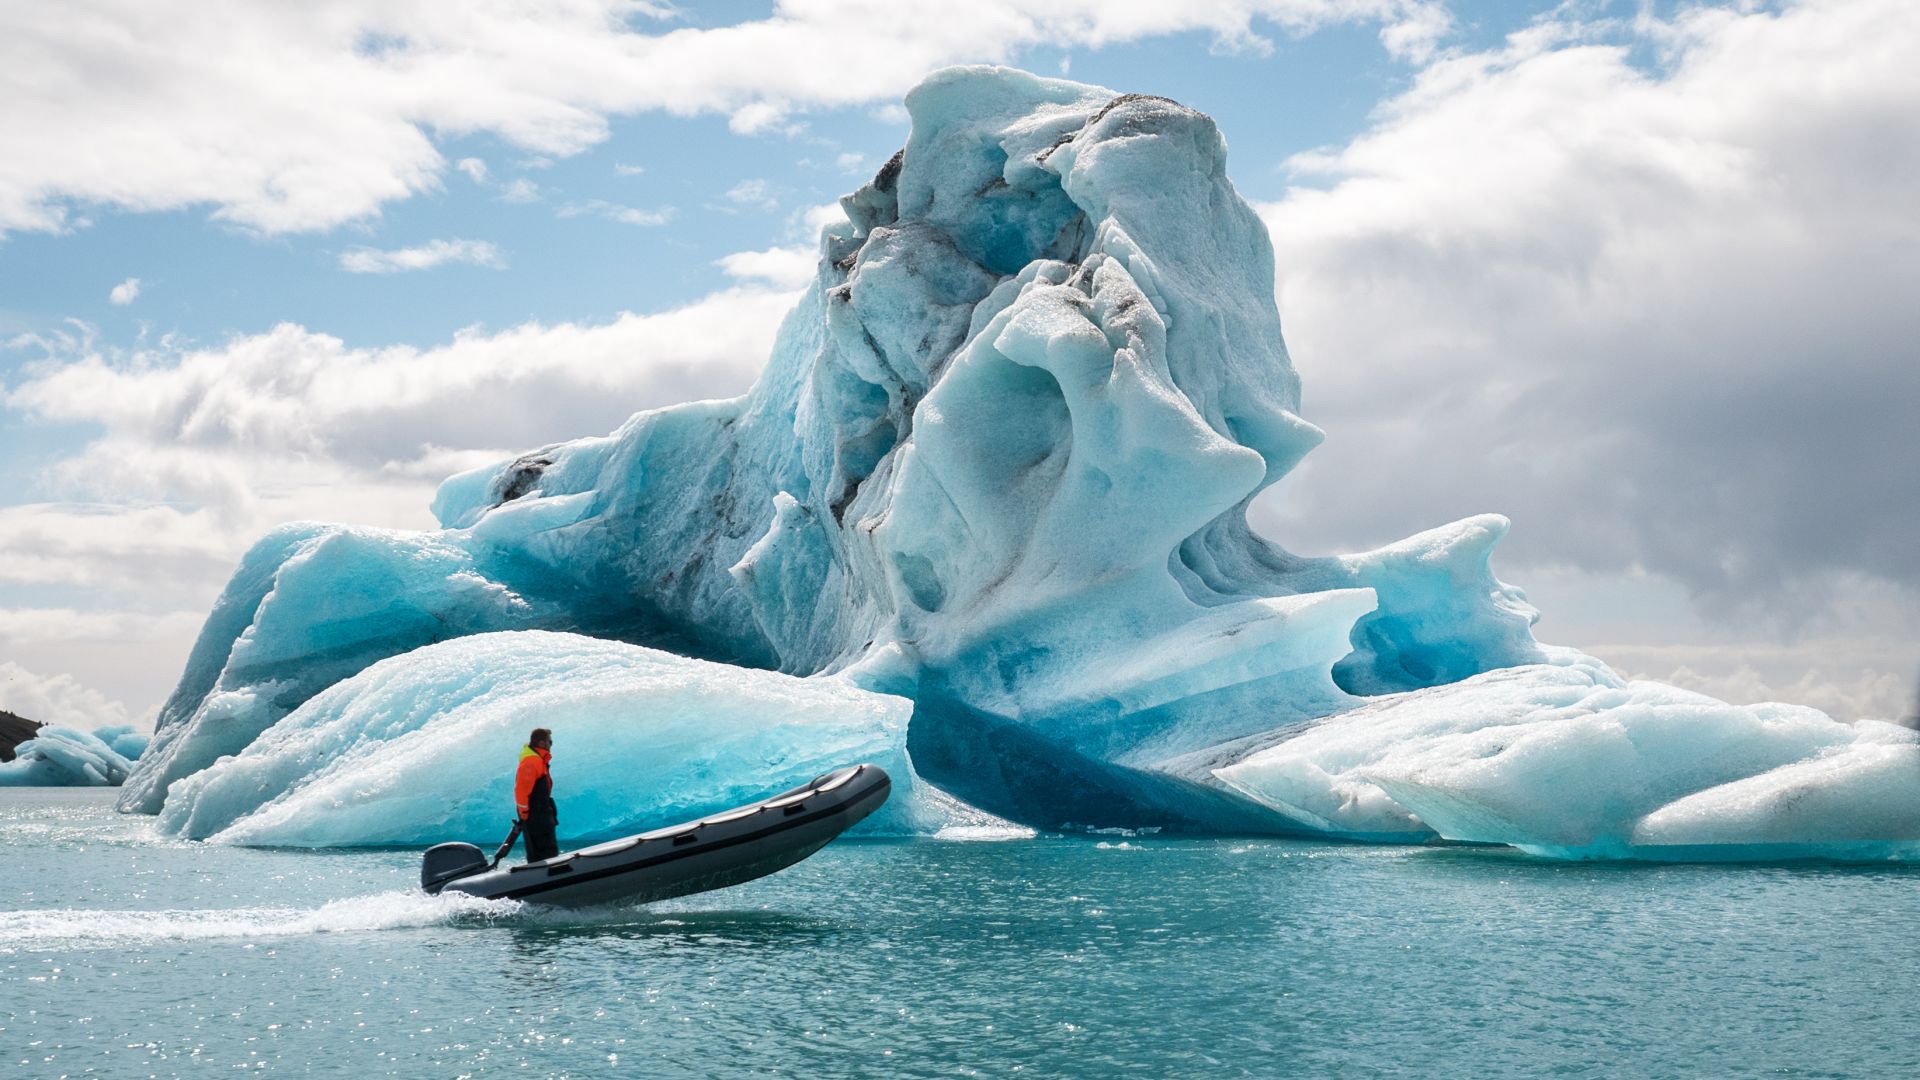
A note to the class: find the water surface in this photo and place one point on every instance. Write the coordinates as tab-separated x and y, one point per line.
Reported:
123	954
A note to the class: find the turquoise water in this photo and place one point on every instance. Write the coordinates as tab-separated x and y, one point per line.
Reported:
126	955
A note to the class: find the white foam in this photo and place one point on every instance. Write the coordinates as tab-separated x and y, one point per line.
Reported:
397	910
985	833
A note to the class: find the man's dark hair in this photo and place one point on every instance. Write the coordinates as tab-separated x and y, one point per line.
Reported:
540	735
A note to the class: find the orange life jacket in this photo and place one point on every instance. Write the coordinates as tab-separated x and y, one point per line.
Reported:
533	769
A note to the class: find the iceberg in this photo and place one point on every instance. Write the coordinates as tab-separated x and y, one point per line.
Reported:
998	466
1567	760
309	606
69	757
421	748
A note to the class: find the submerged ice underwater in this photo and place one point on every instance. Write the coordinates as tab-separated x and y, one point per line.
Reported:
981	521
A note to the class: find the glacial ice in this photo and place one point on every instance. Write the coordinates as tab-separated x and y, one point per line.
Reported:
124	740
1568	760
309	606
68	757
421	748
998	464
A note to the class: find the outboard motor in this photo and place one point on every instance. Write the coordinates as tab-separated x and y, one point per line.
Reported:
444	862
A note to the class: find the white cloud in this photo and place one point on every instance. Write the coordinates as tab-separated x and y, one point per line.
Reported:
851	162
125	293
623	169
1663	318
791	265
57	699
782	267
752	193
219	426
520	190
625	215
90	668
68	626
475	169
168	555
815	218
290	117
425	257
762	117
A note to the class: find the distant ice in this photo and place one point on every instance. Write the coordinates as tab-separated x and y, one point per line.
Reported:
1569	761
69	757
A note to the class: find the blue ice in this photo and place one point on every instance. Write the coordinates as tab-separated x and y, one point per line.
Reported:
59	756
1568	760
998	464
422	747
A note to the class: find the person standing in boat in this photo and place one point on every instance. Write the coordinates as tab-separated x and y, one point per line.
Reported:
533	796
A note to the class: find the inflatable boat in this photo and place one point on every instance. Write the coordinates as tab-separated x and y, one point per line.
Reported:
712	853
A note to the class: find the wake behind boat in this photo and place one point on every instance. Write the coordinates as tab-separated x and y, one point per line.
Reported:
697	856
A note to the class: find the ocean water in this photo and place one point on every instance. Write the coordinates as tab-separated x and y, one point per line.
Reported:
122	954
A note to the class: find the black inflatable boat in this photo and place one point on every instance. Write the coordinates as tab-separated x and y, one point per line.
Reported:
712	853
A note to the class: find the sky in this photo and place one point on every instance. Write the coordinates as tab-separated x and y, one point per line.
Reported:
1638	275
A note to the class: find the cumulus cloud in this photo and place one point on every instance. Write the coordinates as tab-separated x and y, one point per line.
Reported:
790	265
57	699
782	267
125	293
293	392
1662	317
763	117
808	222
425	257
124	108
475	169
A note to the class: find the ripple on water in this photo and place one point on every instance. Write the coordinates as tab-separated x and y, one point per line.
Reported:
1046	956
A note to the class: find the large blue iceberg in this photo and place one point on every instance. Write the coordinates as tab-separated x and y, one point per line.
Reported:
996	472
409	751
